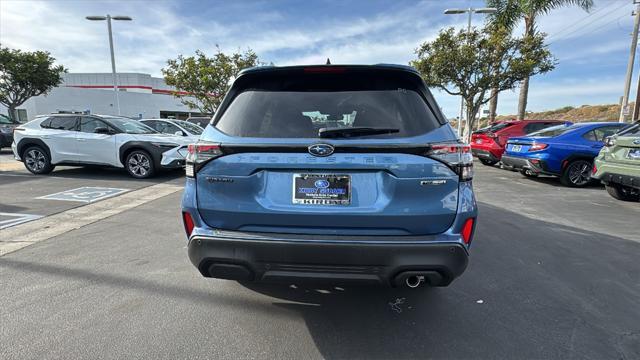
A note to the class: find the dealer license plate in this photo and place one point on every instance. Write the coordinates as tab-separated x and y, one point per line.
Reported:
321	189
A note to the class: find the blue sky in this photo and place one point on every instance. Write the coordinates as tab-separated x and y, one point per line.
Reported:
592	49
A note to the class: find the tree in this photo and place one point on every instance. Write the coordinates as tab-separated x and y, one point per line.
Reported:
26	74
510	12
201	82
470	65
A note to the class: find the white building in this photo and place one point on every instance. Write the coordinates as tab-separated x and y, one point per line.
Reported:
141	95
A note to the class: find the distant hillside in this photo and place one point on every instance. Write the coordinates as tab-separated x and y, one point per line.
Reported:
580	114
569	113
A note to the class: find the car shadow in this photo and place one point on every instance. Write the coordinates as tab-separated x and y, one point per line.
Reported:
107	173
548	295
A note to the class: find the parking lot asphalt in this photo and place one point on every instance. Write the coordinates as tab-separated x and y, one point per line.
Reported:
21	192
554	273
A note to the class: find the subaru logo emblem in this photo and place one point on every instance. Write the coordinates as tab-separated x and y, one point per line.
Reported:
321	184
636	142
321	150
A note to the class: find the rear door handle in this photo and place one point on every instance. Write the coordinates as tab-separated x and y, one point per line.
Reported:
81	139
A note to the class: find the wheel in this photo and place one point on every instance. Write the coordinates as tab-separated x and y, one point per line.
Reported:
487	162
37	161
139	164
528	173
623	193
577	173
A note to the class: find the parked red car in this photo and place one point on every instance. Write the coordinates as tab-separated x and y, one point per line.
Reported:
488	144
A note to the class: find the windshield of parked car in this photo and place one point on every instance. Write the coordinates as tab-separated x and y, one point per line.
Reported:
5	120
191	128
554	130
131	126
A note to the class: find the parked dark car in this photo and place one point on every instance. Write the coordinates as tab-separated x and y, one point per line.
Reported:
6	130
488	144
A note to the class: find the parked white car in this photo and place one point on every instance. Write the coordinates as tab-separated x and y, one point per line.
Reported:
78	139
175	127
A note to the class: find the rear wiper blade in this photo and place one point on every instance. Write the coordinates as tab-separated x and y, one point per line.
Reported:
354	131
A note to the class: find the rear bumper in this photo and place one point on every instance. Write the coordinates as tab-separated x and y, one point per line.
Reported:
491	152
274	259
520	163
484	154
626	180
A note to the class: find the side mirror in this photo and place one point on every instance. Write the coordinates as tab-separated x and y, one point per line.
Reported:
102	130
179	133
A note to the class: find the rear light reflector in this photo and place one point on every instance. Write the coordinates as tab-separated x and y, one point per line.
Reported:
188	223
198	155
467	230
595	168
538	147
456	155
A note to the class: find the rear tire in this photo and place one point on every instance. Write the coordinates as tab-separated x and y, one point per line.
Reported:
139	164
528	173
577	174
37	161
623	193
487	162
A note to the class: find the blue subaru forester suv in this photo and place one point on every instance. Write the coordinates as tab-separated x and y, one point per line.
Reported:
330	173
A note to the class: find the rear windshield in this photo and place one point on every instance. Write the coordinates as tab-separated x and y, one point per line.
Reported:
554	130
304	106
192	128
498	127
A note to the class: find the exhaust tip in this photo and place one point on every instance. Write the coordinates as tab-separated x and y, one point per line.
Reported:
414	281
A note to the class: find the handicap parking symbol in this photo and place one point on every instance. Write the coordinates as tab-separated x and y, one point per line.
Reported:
87	194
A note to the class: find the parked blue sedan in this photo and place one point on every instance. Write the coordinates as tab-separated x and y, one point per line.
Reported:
566	151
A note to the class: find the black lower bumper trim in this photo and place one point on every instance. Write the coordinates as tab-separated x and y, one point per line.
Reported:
290	261
626	180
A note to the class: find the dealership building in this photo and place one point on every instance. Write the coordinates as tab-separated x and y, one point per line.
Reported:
140	95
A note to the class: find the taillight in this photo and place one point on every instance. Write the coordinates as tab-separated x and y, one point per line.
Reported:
457	156
467	230
199	154
538	147
595	168
188	223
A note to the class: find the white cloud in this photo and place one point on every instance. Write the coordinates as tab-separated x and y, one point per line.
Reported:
163	29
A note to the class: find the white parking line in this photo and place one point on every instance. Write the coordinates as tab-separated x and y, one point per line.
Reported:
16	219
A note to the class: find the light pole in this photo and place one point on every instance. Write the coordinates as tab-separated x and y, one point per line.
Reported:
113	60
469	11
632	54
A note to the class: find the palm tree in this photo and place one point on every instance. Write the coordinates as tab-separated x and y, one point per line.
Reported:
510	12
